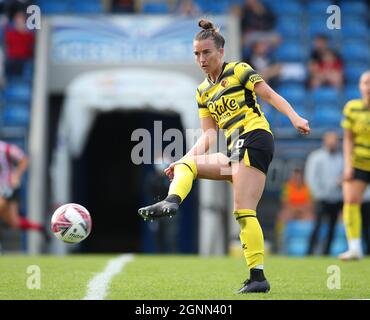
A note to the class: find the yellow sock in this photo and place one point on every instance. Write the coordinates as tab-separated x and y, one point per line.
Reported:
184	174
251	237
352	221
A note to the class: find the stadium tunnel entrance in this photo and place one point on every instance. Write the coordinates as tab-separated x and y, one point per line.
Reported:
107	181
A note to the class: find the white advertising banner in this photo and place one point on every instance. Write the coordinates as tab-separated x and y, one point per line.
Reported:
125	39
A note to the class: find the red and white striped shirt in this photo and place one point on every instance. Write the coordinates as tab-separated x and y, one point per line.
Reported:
10	155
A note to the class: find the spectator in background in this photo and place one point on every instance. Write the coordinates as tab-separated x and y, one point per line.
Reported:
187	8
257	23
323	174
296	199
325	66
260	59
19	45
296	204
320	46
13	6
123	6
13	164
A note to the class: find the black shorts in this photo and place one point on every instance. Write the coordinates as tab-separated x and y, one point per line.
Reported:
255	147
11	194
361	175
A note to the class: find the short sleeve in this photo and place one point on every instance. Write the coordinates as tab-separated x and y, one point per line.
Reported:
247	76
347	120
202	109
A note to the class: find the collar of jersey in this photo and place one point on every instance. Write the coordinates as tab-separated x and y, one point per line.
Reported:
218	78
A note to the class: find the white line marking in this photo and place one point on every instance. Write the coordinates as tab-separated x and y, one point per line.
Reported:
97	288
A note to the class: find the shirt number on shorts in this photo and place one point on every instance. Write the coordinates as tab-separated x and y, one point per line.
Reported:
239	143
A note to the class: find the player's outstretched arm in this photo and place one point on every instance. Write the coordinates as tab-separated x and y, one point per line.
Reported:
263	90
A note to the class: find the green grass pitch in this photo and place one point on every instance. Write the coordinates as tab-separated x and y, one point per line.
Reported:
184	277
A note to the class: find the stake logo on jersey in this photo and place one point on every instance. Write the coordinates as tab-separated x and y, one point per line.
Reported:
222	109
231	101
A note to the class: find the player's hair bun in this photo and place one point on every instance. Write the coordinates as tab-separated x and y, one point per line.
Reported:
209	31
206	25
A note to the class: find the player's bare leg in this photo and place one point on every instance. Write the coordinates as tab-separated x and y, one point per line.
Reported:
10	215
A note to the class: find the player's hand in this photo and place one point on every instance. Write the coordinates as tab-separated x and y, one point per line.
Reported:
169	171
301	125
348	173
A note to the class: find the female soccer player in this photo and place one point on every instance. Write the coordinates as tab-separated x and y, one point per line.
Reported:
227	99
356	176
13	164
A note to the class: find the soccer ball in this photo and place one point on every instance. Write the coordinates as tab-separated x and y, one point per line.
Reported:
71	223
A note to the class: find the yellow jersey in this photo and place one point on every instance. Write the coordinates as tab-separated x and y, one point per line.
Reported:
231	101
357	119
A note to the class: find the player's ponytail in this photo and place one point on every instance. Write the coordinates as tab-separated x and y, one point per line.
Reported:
210	32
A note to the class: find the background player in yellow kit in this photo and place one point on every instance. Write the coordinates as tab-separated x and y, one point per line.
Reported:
356	152
227	100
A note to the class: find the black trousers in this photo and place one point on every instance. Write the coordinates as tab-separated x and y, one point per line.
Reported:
324	211
365	212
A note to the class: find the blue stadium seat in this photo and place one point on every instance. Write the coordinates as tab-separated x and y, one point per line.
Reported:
18	92
28	72
296	237
318	7
291	51
17	115
317	25
325	95
354	7
220	7
203	4
54	7
352	73
296	228
357	51
338	246
290	27
355	28
326	115
215	6
294	93
286	6
89	7
351	92
155	8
